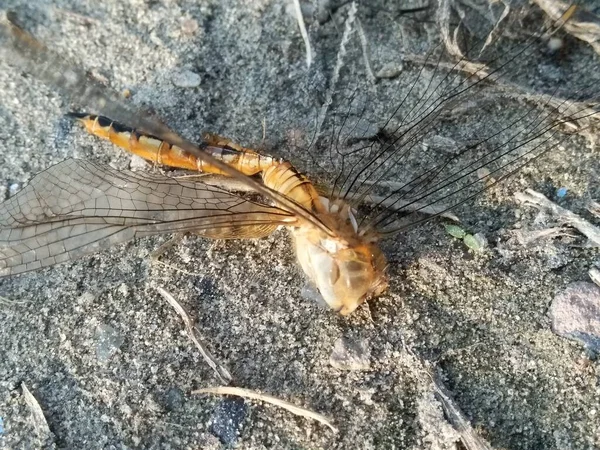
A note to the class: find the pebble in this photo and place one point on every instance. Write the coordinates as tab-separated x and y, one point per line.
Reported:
391	70
13	189
575	314
561	192
555	44
186	79
138	163
483	172
173	399
228	419
108	342
189	26
350	354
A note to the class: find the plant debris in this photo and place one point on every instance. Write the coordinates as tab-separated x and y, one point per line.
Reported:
246	393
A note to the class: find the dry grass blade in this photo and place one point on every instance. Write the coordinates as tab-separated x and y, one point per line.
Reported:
449	37
222	373
9	302
364	43
578	22
39	421
595	275
527	237
562	215
594	208
468	436
253	395
303	32
339	63
406	205
495	30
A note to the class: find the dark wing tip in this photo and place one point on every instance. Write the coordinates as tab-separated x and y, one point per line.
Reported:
76	115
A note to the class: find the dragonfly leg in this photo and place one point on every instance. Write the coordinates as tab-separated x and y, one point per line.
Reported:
156	254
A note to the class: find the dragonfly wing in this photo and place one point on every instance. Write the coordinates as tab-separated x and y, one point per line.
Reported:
78	207
23	50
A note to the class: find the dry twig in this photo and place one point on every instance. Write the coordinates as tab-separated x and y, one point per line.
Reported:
7	301
303	32
365	51
595	275
247	393
594	208
39	421
468	436
222	373
339	63
526	237
578	22
563	216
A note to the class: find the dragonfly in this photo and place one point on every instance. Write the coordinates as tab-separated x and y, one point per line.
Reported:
78	207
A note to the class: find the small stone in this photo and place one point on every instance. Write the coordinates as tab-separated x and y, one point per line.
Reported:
350	354
151	405
13	189
189	26
108	342
483	172
138	163
126	410
561	192
575	314
173	399
86	298
123	289
186	79
228	419
441	143
208	442
555	44
390	70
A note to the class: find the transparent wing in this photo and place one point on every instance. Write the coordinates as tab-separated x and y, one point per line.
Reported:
24	51
455	129
79	207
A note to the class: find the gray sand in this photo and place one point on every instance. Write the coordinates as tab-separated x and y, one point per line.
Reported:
482	318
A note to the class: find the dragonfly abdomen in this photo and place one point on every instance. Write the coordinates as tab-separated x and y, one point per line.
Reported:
278	175
161	152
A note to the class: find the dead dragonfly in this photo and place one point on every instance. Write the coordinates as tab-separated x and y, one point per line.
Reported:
78	207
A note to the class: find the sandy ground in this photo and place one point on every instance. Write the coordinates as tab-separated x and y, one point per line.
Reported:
481	318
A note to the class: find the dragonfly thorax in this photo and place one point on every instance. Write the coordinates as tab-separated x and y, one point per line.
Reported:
346	268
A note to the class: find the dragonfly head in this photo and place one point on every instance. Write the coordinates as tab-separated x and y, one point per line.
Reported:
347	270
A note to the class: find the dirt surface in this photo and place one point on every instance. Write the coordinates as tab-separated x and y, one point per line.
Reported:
106	356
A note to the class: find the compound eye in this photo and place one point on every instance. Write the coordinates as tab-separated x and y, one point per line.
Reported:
334	274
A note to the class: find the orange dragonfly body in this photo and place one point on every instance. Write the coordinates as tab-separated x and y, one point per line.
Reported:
78	207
